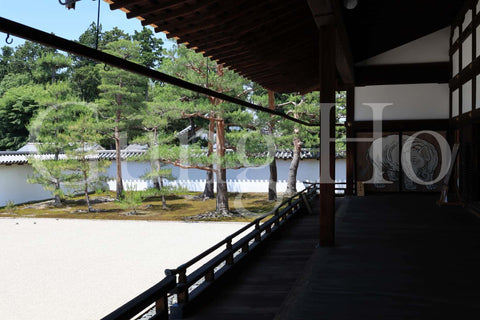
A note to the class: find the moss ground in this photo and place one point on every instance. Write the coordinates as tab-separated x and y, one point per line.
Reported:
180	207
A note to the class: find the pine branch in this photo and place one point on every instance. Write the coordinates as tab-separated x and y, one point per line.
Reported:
198	114
178	164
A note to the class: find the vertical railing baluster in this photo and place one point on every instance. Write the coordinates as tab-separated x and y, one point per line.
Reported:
161	307
229	260
258	236
210	275
269	228
277	222
182	294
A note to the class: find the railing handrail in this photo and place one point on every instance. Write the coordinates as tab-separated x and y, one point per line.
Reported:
142	301
233	235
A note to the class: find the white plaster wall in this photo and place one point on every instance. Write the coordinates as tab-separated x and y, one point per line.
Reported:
431	48
307	170
467	52
455	103
455	63
478	41
467	58
240	180
413	101
14	185
409	102
467	97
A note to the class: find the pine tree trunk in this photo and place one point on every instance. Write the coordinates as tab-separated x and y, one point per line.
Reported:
119	193
155	163
164	202
292	171
222	192
58	200
272	182
87	197
208	192
156	180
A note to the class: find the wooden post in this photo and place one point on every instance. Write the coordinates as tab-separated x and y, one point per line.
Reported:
229	259
258	236
327	77
161	307
182	296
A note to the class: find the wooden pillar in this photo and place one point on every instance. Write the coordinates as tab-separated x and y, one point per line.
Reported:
327	42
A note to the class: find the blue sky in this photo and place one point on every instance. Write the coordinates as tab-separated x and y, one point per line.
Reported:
50	16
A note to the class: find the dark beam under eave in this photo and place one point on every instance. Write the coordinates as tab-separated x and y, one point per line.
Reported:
437	72
329	12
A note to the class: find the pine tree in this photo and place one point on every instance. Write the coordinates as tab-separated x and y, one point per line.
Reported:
85	171
226	123
49	164
122	98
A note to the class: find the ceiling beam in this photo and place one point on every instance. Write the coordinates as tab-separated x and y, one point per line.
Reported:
329	12
117	4
166	16
147	10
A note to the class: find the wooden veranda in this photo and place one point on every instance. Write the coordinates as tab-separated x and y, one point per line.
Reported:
392	260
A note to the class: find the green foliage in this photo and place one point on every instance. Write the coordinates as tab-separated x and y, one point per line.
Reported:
25	57
51	67
150	47
113	35
341	131
67	134
17	106
5	60
85	174
11	207
14	80
121	91
85	81
48	129
131	200
165	191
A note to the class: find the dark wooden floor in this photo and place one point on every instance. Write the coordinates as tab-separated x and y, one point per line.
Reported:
397	257
258	290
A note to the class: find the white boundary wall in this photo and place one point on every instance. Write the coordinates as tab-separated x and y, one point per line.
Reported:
14	185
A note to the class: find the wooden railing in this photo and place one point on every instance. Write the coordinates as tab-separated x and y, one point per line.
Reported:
158	295
189	286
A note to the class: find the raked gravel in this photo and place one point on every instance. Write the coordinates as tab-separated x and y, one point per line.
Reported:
83	269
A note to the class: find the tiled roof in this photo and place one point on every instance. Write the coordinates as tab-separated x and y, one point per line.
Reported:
304	154
18	157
